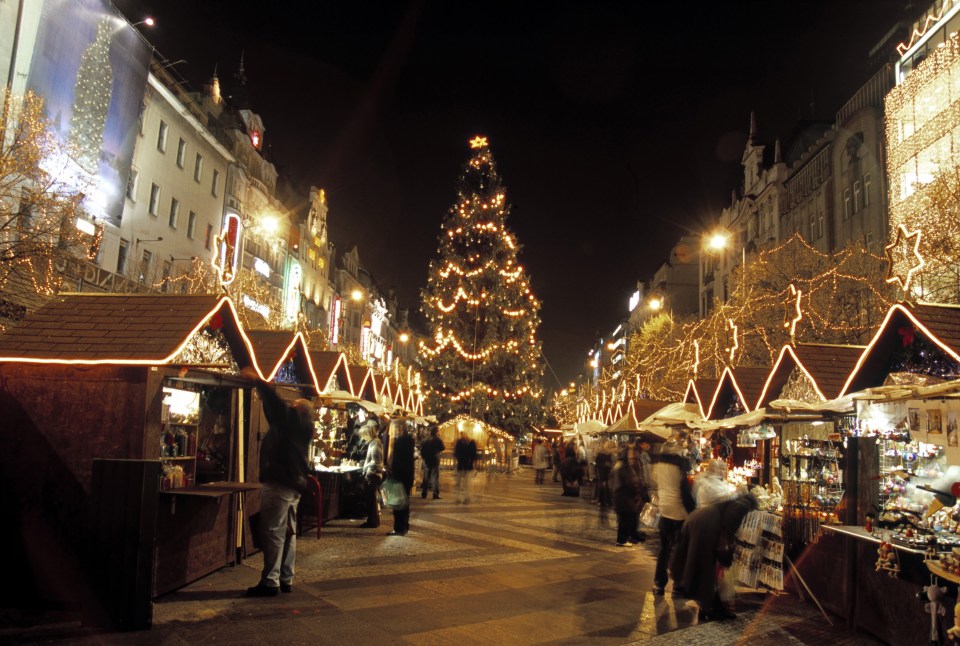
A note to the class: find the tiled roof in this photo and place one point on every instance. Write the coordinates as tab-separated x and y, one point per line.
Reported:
829	365
270	347
107	327
750	381
362	380
943	321
326	363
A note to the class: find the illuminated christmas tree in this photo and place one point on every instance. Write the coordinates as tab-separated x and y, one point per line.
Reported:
91	100
483	358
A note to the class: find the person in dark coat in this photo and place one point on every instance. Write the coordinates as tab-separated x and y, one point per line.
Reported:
557	459
430	451
401	468
708	537
605	458
626	499
571	472
283	472
465	454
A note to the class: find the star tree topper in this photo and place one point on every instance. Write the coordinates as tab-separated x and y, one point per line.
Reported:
478	142
898	254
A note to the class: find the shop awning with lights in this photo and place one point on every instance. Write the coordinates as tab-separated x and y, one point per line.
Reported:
131	329
700	392
364	383
921	339
283	357
809	372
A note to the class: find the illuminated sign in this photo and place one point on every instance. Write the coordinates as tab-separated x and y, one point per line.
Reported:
255	139
634	301
228	249
256	306
335	321
292	301
261	267
85	226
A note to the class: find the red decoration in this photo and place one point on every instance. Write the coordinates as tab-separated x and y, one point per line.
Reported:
955	489
907	332
216	322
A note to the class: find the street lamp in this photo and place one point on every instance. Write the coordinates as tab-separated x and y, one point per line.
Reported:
404	337
718	241
357	295
655	304
148	21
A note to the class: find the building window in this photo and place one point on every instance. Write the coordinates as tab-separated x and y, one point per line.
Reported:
122	256
132	184
154	199
857	197
846	204
209	240
174	212
167	267
866	189
813	226
213	184
820	225
145	266
198	168
181	152
162	137
191	225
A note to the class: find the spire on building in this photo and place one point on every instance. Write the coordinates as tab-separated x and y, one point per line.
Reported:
753	126
240	75
215	86
777	156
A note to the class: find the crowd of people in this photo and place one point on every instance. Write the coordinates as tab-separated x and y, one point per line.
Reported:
697	525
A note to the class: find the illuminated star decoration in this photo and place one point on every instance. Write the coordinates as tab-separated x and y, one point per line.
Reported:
696	357
478	142
794	315
901	248
732	327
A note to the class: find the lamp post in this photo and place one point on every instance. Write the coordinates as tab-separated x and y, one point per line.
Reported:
148	21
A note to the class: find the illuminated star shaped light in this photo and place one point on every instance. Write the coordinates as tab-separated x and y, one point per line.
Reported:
794	315
732	327
478	142
901	248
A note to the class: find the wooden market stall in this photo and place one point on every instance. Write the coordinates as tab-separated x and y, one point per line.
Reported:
128	429
493	444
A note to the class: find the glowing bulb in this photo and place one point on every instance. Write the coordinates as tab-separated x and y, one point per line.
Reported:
718	241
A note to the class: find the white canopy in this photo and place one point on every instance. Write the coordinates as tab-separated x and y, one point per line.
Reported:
590	427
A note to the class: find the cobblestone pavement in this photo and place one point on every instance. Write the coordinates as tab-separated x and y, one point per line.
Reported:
518	565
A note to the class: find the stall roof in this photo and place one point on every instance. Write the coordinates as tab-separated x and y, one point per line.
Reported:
826	366
939	324
131	329
364	383
700	391
329	364
744	383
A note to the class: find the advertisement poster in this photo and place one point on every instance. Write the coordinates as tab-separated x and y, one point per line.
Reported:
90	67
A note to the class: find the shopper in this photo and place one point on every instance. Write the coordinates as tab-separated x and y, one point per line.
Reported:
465	454
605	459
557	458
372	471
430	452
571	472
626	499
283	472
401	469
707	541
670	469
540	461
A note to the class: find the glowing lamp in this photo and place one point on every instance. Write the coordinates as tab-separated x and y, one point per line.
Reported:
356	295
718	241
269	224
655	304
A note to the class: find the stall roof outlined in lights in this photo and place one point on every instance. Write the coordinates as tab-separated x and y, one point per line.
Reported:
920	339
364	383
129	329
283	356
700	392
738	390
820	367
332	371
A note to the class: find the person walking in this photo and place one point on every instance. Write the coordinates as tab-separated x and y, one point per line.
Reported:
372	471
626	498
604	470
557	458
430	452
540	461
707	541
571	472
401	468
465	454
283	473
670	469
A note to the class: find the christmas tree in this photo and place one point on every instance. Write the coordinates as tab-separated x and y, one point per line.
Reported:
483	358
91	100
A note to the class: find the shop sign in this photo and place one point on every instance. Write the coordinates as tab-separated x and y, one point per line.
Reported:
261	267
335	321
228	249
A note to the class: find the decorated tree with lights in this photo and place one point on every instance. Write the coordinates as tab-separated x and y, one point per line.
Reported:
91	100
483	357
38	211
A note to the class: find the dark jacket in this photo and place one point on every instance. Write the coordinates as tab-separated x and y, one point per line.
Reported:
283	454
465	451
694	565
430	451
401	460
626	488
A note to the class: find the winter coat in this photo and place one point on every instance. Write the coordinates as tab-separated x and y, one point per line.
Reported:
465	451
430	451
283	455
673	489
373	463
694	566
401	460
540	460
626	487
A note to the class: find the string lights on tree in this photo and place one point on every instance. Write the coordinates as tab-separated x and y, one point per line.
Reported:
483	356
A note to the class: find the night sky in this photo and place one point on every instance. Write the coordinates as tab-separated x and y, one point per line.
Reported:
617	127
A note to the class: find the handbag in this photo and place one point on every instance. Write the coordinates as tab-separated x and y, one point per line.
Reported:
650	515
394	494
